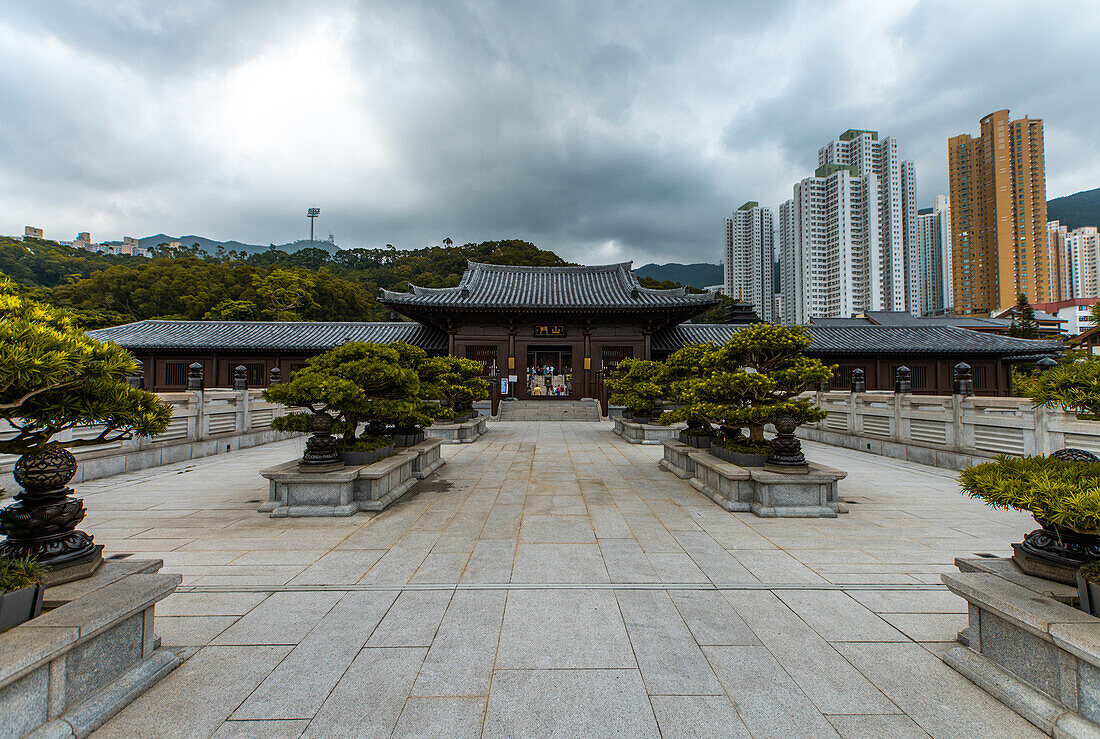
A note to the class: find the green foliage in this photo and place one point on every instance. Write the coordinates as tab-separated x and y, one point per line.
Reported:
455	382
285	294
1073	386
20	573
354	382
1024	325
232	310
747	382
53	378
1063	493
366	443
638	384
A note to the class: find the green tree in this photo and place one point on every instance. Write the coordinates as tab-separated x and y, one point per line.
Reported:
1024	324
285	294
232	310
54	378
1073	386
354	382
638	384
455	382
752	379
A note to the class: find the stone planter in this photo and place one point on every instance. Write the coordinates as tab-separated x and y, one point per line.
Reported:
1027	648
1056	552
741	459
360	458
20	606
696	441
644	433
405	440
1089	595
457	433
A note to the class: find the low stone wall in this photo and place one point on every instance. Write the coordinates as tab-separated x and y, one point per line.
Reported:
68	671
372	487
204	423
1027	648
768	494
947	431
458	433
639	433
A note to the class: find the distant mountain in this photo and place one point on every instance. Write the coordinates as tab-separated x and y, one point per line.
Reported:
211	247
1079	209
696	275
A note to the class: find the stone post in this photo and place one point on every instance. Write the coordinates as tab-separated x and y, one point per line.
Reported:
859	383
494	390
275	377
903	382
240	377
138	378
195	377
964	382
823	387
963	387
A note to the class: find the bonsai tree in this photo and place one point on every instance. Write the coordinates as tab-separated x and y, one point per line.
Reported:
354	382
638	384
24	572
413	358
54	378
753	379
453	381
684	365
1073	386
1063	493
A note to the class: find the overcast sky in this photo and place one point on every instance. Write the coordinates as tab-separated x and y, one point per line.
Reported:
602	130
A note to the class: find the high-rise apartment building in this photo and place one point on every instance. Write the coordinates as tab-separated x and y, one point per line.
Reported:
934	238
1078	256
750	250
848	237
1063	277
999	215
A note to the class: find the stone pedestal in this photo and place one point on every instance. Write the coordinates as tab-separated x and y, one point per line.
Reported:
372	487
457	433
68	671
1027	648
645	433
809	493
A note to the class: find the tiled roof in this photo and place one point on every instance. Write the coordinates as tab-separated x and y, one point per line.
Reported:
902	318
865	339
257	335
492	286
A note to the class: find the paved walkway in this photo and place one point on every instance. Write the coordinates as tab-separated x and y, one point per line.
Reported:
552	580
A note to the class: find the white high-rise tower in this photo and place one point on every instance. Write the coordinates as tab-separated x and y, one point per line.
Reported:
750	248
934	237
849	240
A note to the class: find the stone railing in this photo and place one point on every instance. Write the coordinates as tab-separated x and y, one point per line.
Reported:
952	431
204	422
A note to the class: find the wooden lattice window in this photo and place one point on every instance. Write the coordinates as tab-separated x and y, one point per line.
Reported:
612	355
257	374
484	353
175	374
842	377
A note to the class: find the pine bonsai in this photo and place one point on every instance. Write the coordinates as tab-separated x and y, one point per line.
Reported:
1063	493
638	384
1073	386
22	572
354	382
455	382
54	378
751	380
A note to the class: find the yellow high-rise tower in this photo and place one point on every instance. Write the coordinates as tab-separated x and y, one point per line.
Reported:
999	216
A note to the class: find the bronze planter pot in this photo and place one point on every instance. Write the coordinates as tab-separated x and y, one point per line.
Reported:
698	441
1056	552
741	459
361	458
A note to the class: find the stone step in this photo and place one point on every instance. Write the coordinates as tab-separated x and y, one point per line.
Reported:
549	410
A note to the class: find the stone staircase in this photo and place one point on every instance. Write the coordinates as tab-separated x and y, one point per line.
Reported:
548	410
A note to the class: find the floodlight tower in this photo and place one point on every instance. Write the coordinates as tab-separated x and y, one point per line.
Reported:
311	214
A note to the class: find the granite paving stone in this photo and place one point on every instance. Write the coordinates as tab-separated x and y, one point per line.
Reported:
586	600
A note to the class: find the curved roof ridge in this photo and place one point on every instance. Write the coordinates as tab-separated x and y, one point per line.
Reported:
485	266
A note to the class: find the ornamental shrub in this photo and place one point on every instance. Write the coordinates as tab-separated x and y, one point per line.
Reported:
1063	493
16	574
454	382
749	381
53	377
1073	386
354	382
638	384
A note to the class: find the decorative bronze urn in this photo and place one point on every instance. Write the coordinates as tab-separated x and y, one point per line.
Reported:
786	453
42	522
321	454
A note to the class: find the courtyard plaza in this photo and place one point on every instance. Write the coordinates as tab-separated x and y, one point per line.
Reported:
552	580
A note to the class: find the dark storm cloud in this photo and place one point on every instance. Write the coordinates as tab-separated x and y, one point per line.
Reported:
601	130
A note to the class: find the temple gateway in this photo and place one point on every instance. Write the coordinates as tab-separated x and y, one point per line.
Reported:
554	332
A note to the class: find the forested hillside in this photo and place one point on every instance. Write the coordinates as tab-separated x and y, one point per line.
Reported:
310	284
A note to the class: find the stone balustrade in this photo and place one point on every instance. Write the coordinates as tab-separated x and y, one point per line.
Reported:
204	422
951	431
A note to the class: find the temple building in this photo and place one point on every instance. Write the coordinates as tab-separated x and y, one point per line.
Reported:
555	332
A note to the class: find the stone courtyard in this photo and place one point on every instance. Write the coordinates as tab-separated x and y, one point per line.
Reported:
551	579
